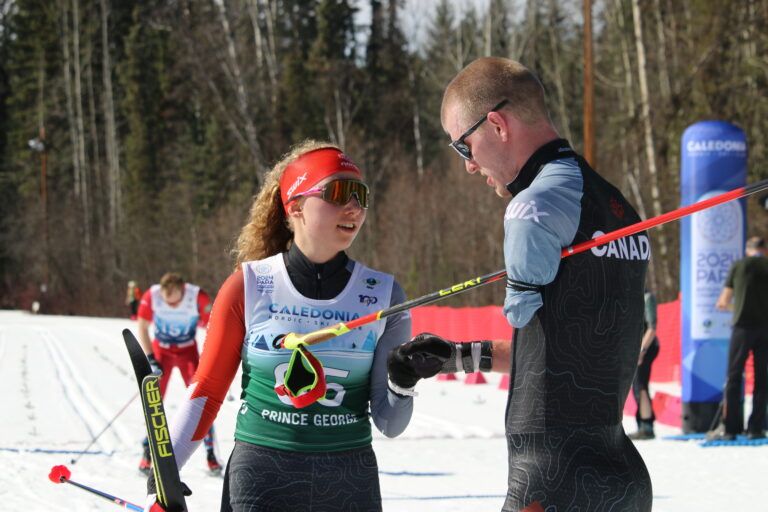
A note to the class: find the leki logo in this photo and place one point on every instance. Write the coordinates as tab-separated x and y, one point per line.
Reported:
157	419
301	179
459	287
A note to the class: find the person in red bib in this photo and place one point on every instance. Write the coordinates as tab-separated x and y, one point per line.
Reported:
175	309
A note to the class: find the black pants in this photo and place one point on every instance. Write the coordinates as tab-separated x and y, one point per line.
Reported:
262	479
643	377
744	340
585	469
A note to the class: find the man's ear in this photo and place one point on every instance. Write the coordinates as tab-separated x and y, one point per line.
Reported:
500	125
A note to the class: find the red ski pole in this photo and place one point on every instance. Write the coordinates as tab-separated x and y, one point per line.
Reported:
61	474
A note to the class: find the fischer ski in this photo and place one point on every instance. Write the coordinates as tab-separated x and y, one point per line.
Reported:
170	490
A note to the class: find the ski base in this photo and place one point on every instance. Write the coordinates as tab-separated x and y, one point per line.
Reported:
170	490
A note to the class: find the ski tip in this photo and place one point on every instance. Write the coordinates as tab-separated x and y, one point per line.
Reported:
59	474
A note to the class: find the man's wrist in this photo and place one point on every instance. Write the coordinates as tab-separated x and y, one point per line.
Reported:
475	356
485	363
398	390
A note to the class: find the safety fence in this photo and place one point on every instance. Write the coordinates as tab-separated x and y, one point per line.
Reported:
483	323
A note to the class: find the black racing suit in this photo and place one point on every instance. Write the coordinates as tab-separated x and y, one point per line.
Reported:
576	347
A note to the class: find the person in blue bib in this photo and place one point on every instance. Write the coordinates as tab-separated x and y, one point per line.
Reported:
293	275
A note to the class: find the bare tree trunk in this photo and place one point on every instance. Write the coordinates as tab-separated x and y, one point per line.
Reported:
233	70
531	27
340	125
650	149
749	46
661	52
626	59
590	153
113	155
557	75
673	46
258	43
459	60
416	125
264	55
85	190
274	71
98	186
77	173
195	247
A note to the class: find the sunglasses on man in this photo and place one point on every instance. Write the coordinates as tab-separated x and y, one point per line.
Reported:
340	192
460	146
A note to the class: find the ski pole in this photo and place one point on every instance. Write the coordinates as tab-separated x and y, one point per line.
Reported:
61	474
293	340
74	461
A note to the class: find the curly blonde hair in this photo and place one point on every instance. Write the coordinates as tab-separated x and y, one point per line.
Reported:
268	232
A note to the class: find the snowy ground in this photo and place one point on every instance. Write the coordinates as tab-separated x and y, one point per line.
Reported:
64	378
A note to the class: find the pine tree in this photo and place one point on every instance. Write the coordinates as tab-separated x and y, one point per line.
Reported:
332	58
144	79
30	60
300	114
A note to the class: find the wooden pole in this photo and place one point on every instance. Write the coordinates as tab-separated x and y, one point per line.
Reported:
44	201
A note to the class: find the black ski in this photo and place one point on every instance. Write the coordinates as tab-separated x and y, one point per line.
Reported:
170	490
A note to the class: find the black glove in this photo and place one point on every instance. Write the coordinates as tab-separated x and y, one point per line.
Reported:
154	364
151	504
421	358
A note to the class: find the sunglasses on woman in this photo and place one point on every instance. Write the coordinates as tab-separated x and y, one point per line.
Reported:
340	192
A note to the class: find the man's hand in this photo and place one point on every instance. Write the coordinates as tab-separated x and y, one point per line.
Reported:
421	358
154	364
151	504
724	300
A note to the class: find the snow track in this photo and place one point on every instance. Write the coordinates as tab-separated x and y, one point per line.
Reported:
62	382
84	400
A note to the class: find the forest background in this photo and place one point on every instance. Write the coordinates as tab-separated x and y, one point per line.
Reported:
156	121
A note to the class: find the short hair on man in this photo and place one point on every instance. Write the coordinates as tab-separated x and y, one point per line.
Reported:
171	281
488	80
756	242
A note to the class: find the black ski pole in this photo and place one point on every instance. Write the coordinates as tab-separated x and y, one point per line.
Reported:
96	438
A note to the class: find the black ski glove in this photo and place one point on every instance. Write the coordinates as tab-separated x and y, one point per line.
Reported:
151	504
421	358
154	364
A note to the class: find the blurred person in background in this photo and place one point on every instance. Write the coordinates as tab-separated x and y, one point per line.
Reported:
175	309
132	298
649	350
746	293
